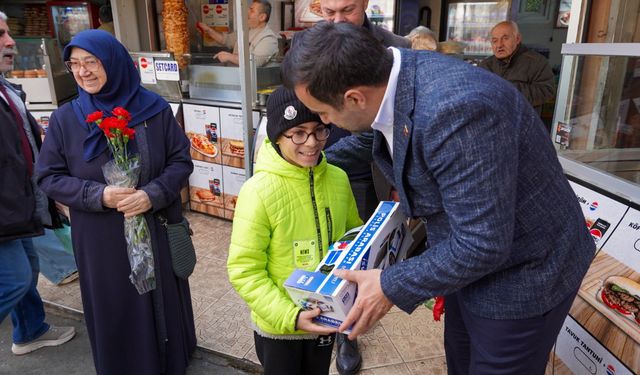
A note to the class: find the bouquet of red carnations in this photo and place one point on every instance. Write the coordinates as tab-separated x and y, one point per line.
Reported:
124	171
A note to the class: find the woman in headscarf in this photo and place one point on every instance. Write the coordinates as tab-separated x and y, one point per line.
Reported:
152	333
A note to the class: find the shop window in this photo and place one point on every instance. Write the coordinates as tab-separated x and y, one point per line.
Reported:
598	121
597	115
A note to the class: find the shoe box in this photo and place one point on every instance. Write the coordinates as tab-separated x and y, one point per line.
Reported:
382	241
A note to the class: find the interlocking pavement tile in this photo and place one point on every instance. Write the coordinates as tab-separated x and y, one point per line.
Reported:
399	369
210	278
252	356
416	336
67	295
200	303
432	366
225	327
211	236
376	348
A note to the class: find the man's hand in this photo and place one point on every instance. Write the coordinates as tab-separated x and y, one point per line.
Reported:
135	204
370	305
305	323
112	195
225	57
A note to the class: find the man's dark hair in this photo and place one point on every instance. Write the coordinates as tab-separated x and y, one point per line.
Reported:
331	58
266	8
104	14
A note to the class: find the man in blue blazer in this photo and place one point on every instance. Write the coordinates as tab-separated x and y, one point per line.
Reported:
507	241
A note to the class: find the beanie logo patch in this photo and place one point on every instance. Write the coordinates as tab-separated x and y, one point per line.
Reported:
290	113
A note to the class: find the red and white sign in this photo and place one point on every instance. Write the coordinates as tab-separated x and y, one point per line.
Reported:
147	70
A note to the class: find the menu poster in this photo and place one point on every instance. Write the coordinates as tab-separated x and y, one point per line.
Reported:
624	243
216	15
206	188
233	179
232	135
307	12
580	353
601	213
201	126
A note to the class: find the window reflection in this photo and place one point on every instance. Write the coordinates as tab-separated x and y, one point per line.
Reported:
604	115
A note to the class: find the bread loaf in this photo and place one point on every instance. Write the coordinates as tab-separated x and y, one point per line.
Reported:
175	28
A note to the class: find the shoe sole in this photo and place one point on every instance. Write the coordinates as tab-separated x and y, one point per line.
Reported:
21	350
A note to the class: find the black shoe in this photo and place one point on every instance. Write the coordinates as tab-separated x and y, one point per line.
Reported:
348	358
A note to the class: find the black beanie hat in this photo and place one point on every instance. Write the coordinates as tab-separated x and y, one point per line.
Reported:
285	111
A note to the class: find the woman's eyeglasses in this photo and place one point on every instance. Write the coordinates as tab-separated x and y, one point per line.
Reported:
90	63
300	137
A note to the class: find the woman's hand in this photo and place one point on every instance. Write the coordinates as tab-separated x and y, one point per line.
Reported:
112	195
135	204
306	323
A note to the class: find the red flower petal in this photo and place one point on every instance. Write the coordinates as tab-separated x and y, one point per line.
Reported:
95	116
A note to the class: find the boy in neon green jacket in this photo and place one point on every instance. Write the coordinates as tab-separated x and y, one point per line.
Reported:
286	216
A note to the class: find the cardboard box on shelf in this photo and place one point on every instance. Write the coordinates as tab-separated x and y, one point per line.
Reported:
202	126
381	242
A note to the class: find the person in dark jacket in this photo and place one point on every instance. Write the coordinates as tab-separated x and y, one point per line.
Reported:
23	211
343	149
528	70
446	135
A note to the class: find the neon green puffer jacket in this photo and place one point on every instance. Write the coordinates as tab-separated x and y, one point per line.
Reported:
284	217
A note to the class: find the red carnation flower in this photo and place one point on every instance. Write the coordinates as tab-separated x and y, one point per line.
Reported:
128	133
121	113
95	116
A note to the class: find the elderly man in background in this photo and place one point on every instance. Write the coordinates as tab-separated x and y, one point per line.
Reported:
23	210
528	70
263	42
343	149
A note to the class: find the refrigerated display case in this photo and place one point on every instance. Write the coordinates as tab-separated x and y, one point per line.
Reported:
70	17
470	22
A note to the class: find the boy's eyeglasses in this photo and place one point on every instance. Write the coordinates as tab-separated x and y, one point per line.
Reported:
90	63
300	137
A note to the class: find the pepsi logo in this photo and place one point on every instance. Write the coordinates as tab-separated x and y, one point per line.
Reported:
593	206
143	63
611	370
596	234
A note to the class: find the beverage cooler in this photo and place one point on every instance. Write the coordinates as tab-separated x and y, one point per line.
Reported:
470	23
70	17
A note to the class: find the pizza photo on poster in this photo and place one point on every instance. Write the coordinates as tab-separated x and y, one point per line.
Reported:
307	12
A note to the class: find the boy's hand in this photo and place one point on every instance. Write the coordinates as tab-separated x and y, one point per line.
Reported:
305	323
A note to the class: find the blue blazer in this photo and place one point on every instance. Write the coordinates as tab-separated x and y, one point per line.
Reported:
473	160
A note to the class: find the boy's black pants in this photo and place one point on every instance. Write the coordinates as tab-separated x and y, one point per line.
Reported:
294	357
